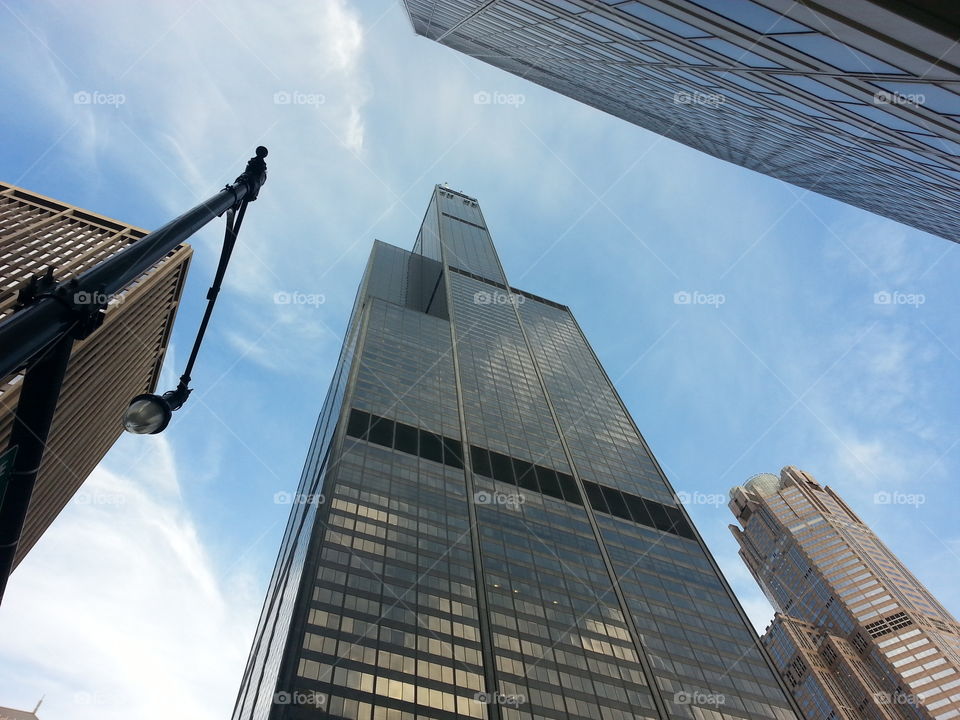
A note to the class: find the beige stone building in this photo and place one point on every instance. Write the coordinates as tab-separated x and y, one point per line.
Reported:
119	360
857	636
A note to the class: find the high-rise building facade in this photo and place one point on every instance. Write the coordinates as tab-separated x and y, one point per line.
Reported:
481	531
856	635
119	360
858	100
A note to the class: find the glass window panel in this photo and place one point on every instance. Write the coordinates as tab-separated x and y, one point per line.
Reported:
737	53
674	52
406	439
381	432
742	82
358	423
884	118
616	503
452	452
526	478
799	106
658	513
595	496
502	468
936	98
615	26
638	510
753	16
636	53
692	77
939	143
662	20
568	6
815	87
481	461
430	446
569	487
549	485
837	54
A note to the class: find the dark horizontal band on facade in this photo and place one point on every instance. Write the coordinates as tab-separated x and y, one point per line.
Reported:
405	438
488	281
465	222
523	474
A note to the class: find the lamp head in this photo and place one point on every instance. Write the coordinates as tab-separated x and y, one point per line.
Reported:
147	414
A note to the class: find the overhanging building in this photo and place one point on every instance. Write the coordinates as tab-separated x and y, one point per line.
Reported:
858	100
118	361
480	530
857	636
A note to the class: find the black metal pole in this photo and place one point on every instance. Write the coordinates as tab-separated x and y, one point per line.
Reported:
41	335
28	331
177	397
31	427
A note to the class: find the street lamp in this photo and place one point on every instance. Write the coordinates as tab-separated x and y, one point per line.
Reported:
148	413
39	336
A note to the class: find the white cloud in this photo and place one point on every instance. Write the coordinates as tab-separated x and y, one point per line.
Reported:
119	612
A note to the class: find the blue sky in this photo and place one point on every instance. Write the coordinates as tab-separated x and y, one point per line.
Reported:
142	598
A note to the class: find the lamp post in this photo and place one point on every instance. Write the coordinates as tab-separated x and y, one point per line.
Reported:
148	413
39	337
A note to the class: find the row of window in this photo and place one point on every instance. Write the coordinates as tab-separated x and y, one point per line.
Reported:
525	294
607	500
405	438
416	441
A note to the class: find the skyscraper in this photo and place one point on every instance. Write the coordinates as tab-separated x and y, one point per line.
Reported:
119	360
856	632
480	530
859	101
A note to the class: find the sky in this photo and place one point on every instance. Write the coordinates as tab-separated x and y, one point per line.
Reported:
141	599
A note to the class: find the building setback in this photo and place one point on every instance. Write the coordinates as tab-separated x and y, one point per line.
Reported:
480	530
856	634
119	360
858	100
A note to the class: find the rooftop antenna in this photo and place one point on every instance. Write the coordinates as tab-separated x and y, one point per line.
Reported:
39	703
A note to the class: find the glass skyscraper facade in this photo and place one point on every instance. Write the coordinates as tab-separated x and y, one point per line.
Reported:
856	636
481	531
858	100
